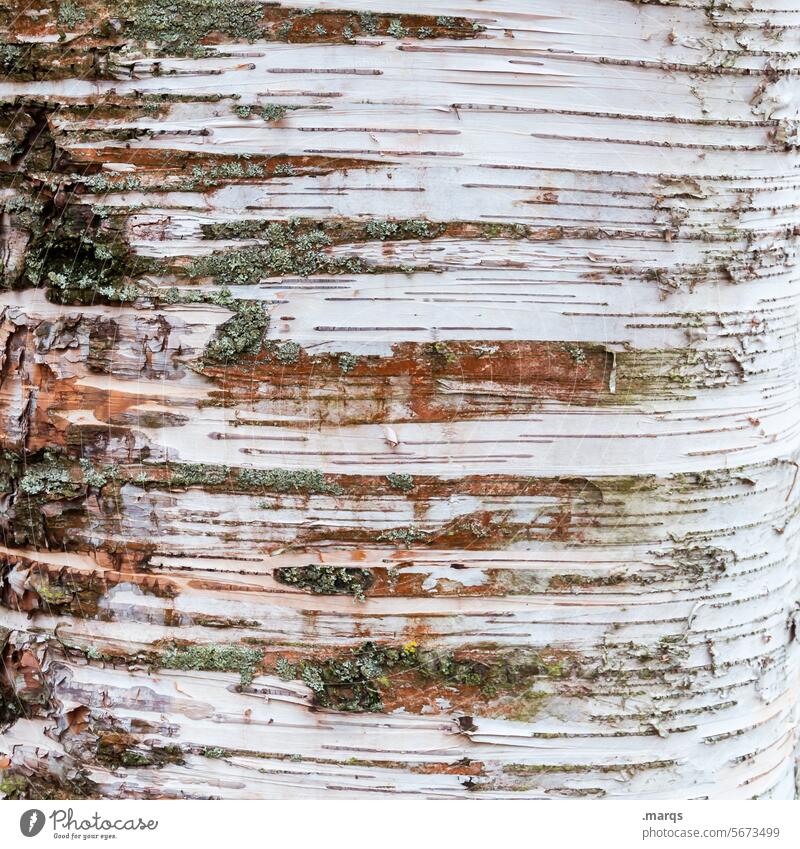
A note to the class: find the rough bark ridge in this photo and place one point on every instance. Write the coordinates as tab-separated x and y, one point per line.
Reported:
399	399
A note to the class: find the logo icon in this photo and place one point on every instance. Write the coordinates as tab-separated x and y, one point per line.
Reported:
31	822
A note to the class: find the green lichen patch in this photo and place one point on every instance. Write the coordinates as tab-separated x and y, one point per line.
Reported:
214	658
301	246
414	228
214	752
91	35
13	786
117	749
10	466
327	580
240	336
70	14
405	483
13	61
50	474
287	353
212	174
52	594
309	481
406	536
97	477
340	230
51	477
47	787
179	26
166	170
81	260
347	362
577	353
185	27
258	481
38	479
304	257
269	111
375	677
198	474
101	184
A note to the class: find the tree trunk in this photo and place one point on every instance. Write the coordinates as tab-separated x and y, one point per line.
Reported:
399	401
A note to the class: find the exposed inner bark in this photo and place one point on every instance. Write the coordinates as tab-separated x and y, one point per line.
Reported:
399	399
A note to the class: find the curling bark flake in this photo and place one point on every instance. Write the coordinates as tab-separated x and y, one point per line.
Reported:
399	401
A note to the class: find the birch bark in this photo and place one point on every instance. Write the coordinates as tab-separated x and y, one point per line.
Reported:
399	401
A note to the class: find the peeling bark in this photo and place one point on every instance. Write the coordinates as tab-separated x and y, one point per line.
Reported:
399	400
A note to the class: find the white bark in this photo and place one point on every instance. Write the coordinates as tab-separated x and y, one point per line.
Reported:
599	412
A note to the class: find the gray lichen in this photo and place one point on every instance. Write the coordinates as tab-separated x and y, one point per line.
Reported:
240	336
407	536
309	481
347	362
327	580
51	477
400	481
214	658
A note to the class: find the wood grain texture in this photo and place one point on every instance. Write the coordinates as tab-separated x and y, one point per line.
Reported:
399	400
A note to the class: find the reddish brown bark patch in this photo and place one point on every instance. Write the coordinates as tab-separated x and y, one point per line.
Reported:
433	382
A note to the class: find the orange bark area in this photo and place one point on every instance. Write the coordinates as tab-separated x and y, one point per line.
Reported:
529	363
479	531
158	163
409	585
40	25
414	692
423	382
462	767
425	697
46	428
21	673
